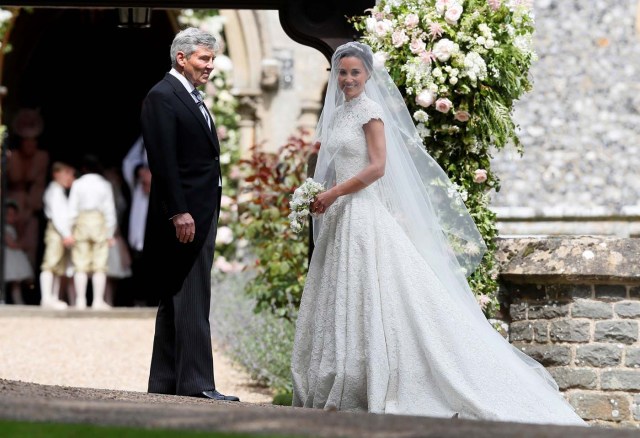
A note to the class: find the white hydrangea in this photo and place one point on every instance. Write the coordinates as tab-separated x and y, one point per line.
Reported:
421	116
475	67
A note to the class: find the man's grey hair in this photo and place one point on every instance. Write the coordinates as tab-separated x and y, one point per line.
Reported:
187	41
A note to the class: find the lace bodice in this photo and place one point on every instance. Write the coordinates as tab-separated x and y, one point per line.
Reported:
347	135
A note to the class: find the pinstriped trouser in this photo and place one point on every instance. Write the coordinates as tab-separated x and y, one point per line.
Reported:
182	362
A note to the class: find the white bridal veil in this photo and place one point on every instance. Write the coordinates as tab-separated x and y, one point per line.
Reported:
414	189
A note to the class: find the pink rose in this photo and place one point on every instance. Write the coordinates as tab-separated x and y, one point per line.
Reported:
417	46
479	176
399	38
411	21
443	105
425	98
462	116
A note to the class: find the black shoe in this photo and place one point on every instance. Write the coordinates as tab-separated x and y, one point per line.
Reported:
215	395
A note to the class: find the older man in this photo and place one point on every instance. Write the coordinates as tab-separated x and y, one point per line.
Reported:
184	204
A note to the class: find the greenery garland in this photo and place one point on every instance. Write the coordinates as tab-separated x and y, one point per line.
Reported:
224	107
461	65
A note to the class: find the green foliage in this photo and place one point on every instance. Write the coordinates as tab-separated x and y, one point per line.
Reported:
283	399
281	255
461	66
260	342
21	429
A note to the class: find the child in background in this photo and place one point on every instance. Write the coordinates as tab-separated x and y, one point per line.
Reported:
57	236
16	263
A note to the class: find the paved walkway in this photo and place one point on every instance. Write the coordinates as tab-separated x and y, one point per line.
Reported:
96	349
91	367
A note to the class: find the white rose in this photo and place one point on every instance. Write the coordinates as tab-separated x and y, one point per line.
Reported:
411	21
425	98
379	59
453	80
444	48
399	38
436	73
225	201
224	236
453	13
443	105
382	28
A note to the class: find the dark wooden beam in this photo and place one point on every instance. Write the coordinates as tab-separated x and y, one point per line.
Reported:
322	24
160	4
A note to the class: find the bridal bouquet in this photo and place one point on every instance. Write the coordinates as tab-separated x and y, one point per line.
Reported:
301	200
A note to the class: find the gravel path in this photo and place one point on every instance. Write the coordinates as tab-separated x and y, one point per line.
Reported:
97	352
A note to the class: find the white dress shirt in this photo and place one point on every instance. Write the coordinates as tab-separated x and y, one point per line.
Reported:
56	208
91	192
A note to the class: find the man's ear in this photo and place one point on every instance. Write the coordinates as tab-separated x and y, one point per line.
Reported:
181	59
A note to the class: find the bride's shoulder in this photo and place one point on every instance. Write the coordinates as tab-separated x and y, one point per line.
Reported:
372	109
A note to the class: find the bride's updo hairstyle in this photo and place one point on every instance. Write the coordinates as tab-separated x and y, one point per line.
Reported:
356	50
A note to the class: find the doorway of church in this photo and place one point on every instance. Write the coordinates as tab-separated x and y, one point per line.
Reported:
87	77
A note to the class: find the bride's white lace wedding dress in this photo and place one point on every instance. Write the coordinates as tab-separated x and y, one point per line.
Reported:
378	332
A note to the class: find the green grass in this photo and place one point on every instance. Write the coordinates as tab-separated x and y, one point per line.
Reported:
22	429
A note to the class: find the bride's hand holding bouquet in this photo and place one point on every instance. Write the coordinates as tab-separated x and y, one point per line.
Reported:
303	203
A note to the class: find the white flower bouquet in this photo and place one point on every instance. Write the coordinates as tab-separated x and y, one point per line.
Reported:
300	203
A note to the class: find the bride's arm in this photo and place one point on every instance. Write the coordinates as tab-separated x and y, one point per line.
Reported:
377	149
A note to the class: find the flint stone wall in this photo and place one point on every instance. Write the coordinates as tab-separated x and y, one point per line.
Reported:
580	125
574	305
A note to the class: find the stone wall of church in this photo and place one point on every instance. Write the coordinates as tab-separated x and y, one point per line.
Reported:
574	306
580	126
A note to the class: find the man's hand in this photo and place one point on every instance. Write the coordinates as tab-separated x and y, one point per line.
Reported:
185	227
144	175
68	241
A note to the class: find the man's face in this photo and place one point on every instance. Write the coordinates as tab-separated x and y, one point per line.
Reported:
198	67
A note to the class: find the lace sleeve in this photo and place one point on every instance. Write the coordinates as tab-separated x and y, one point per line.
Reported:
370	110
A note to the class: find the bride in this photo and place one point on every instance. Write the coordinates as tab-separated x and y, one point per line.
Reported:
387	322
